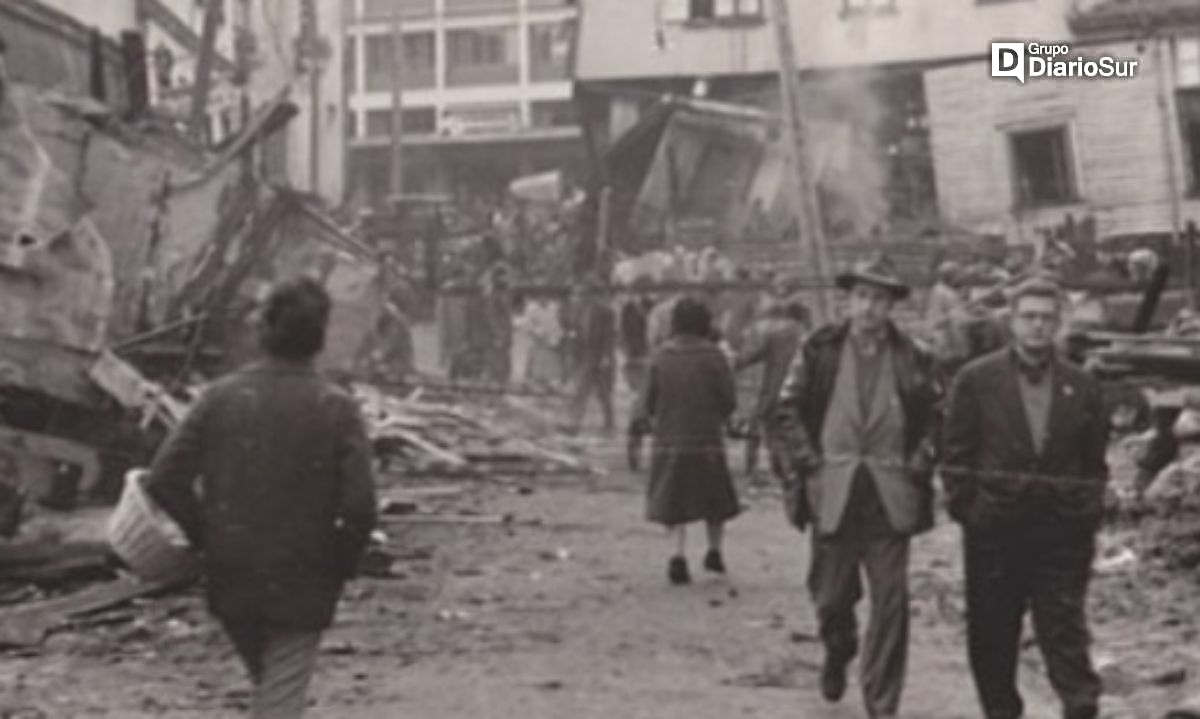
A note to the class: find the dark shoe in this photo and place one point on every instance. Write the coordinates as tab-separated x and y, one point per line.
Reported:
677	571
1087	711
713	561
833	679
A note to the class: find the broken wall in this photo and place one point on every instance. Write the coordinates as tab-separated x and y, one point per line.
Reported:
56	274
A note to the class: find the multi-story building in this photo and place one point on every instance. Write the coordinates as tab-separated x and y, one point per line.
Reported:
862	63
486	93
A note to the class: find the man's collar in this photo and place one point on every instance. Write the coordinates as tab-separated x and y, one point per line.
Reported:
868	343
1031	368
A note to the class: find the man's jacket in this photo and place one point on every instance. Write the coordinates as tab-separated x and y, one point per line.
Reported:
804	403
286	499
993	474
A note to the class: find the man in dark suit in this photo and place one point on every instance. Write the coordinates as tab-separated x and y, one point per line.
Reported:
1025	440
595	356
286	501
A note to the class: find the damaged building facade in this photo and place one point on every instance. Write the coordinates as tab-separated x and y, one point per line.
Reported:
1120	154
131	259
863	66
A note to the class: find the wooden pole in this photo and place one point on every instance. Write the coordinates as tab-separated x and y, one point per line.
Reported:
204	63
808	208
398	60
1189	249
314	125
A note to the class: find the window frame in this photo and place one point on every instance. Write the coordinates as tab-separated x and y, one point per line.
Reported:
1070	168
1190	151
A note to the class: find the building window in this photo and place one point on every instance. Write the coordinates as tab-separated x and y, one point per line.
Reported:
550	51
864	7
483	56
1188	103
552	113
480	7
381	9
350	63
417	121
706	11
418	61
1043	167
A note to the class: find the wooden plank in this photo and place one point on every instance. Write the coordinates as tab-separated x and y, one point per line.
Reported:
449	518
28	624
442	455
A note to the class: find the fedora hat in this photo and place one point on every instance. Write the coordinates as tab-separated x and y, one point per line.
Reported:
878	271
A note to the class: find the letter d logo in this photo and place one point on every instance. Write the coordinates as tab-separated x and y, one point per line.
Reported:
1008	60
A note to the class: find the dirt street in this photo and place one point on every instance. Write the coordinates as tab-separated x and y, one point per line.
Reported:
566	612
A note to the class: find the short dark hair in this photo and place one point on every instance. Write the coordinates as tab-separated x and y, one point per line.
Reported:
294	319
692	318
1037	286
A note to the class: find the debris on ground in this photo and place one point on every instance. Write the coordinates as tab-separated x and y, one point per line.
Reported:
420	438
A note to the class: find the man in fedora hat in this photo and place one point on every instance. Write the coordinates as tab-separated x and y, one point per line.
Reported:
859	414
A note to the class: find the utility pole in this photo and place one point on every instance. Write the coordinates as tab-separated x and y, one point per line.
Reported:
398	60
808	208
204	65
311	43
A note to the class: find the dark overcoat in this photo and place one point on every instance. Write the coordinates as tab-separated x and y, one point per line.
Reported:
688	398
270	475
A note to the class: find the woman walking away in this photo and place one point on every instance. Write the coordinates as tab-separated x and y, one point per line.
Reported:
687	399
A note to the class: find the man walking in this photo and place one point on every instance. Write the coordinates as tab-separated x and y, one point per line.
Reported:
286	498
1025	475
595	361
781	332
858	410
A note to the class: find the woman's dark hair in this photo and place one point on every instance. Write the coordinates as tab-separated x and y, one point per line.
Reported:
294	319
691	317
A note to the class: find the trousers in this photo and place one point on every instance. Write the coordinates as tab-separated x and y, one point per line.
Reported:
280	662
1045	571
864	544
593	380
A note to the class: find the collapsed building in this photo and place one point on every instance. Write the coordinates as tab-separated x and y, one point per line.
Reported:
130	265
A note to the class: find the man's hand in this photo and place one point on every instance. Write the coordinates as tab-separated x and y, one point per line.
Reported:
795	503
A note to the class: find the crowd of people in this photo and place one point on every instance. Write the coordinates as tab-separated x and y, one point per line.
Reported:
857	416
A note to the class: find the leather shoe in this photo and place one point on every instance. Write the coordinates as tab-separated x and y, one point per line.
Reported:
714	562
677	571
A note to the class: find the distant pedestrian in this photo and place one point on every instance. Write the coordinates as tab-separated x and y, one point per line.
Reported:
595	361
859	409
688	397
635	339
1025	441
270	475
779	338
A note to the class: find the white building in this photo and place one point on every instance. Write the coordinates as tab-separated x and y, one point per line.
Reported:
257	42
487	92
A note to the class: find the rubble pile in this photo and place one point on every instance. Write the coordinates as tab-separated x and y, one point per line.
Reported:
419	437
